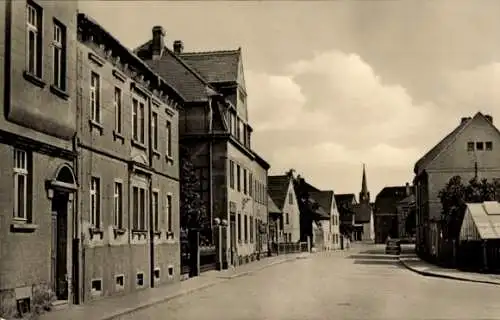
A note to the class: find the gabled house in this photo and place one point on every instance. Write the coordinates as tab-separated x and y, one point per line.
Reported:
281	190
346	204
386	212
330	227
473	143
214	125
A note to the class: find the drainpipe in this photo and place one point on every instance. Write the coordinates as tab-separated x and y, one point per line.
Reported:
210	159
150	187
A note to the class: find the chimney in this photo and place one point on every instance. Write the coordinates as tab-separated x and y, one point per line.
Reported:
178	46
489	118
158	42
408	190
464	119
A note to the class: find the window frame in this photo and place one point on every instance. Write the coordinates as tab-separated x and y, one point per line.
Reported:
168	139
36	27
118	204
118	107
95	97
21	170
479	146
488	145
471	146
154	130
238	178
231	174
95	202
138	119
169	214
155	198
139	221
59	51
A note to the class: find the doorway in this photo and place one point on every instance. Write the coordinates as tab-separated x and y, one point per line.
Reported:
59	250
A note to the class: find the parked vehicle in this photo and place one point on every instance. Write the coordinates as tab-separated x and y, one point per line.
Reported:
393	246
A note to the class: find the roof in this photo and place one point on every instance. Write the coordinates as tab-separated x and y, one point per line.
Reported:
363	212
84	20
432	154
481	221
344	199
324	199
387	199
408	200
271	206
320	212
178	73
277	187
215	66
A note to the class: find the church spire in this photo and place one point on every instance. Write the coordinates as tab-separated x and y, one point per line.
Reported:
364	195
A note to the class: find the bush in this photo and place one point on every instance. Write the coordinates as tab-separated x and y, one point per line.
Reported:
42	298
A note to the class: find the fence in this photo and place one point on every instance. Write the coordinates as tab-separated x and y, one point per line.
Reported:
289	247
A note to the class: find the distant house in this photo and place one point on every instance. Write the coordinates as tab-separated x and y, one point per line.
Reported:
280	189
480	237
326	199
346	204
474	141
406	216
386	212
275	218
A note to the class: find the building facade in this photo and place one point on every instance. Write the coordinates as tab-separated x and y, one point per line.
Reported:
283	194
473	143
38	216
214	125
128	168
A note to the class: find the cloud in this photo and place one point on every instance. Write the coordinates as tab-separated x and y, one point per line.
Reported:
333	112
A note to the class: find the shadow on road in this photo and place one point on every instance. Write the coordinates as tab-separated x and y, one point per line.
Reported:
372	257
395	263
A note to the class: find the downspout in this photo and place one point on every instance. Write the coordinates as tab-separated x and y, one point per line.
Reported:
150	187
210	166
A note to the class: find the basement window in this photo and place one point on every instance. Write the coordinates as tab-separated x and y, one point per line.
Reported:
140	279
96	287
479	146
170	271
156	274
120	282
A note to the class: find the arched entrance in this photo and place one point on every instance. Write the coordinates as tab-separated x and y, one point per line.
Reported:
60	191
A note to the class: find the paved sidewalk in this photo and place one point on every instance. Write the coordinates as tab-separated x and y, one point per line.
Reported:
415	264
110	308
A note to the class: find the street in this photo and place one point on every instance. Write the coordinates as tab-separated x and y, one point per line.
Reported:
361	283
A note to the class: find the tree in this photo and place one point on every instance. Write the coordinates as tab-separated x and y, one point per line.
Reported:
193	213
454	197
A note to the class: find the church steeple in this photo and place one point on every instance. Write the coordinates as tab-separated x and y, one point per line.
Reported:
364	195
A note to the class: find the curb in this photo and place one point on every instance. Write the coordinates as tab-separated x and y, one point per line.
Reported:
192	290
444	276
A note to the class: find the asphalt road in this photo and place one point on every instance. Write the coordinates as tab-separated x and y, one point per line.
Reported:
362	283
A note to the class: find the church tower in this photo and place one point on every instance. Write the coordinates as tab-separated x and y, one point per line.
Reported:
364	195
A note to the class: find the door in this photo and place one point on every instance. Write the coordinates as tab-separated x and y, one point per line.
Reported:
232	230
59	251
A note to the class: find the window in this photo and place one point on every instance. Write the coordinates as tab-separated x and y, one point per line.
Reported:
95	93
156	217
118	205
138	120
251	229
240	130
287	216
169	213
234	123
239	226
139	209
231	174
154	130
250	185
34	39
168	140
245	189
20	184
489	145
238	178
470	146
59	55
95	202
245	226
118	109
290	198
479	146
237	128
140	279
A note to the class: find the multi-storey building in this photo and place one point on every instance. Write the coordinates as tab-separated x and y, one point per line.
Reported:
214	125
38	217
128	168
470	147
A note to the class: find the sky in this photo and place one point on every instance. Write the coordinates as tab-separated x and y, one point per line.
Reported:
335	84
